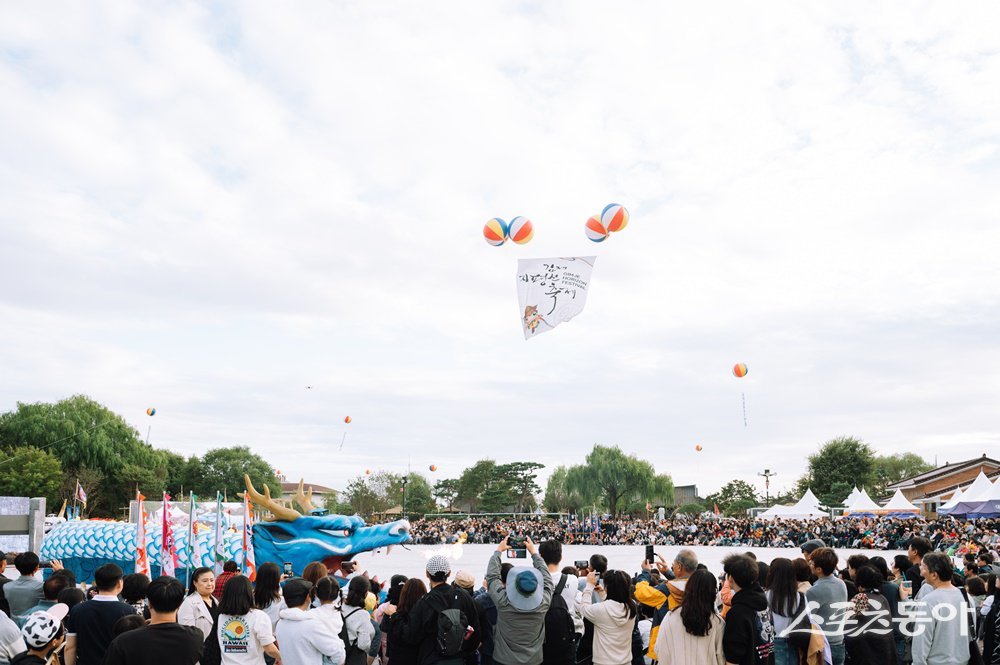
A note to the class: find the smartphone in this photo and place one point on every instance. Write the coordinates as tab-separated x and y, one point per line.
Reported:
517	554
582	564
650	554
597	582
908	585
288	568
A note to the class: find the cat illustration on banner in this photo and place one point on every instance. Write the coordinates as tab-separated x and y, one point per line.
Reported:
532	318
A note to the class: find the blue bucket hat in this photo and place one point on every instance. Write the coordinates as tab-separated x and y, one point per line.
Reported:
525	589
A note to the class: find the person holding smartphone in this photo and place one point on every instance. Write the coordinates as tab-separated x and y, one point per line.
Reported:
521	606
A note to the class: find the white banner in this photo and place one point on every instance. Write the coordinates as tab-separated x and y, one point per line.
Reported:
551	291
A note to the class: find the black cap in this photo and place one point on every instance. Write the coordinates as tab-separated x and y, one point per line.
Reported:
296	591
812	545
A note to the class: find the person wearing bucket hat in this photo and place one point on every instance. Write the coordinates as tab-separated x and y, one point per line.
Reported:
521	606
443	625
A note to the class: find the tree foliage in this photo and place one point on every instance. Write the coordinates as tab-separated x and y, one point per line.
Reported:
732	492
841	462
31	472
222	469
383	490
446	491
87	438
558	497
891	469
613	479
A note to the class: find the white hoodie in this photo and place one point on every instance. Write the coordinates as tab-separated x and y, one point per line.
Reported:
305	637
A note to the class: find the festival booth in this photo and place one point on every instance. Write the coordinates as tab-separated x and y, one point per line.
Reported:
851	498
806	508
972	499
774	512
899	507
990	506
952	502
862	506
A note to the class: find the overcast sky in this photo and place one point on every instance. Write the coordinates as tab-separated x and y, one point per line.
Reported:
205	208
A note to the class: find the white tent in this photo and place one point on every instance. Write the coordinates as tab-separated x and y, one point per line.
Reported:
900	506
990	506
775	512
808	500
863	505
952	502
806	508
973	497
851	498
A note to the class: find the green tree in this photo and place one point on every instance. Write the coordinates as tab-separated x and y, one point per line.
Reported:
446	491
691	509
84	435
558	498
891	469
371	494
31	472
662	493
731	492
522	478
739	507
844	460
611	476
222	470
176	468
418	495
474	481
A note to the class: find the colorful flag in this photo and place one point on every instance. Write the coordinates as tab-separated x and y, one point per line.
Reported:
141	561
80	495
249	558
551	291
219	546
194	554
168	550
716	508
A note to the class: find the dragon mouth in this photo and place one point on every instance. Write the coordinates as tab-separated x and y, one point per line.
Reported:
332	563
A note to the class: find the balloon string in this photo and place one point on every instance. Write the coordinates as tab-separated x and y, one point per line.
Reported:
744	398
342	441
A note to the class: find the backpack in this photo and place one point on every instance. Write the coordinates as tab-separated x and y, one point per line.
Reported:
559	646
355	656
763	637
452	624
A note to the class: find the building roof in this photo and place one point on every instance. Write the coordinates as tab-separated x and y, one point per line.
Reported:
292	488
940	471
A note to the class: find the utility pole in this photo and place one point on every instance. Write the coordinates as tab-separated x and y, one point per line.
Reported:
767	475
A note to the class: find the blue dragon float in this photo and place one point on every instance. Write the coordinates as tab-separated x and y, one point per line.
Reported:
84	545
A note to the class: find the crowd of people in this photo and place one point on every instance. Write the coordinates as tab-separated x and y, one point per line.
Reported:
925	608
858	533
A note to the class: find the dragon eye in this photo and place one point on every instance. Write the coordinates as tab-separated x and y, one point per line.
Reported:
337	533
277	533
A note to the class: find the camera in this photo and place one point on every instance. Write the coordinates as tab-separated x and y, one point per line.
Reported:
516	542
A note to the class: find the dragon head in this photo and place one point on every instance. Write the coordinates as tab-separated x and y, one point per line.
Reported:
302	539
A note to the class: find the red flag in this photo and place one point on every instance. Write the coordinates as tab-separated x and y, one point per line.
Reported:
716	508
168	551
141	562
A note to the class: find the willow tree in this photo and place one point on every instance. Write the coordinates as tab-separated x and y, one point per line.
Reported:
613	478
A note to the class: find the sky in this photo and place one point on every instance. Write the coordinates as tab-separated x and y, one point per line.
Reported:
207	207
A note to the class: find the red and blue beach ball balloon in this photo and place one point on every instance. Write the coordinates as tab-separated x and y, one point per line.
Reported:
595	230
495	232
520	230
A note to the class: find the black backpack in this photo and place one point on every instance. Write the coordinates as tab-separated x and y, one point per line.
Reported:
355	656
452	625
559	646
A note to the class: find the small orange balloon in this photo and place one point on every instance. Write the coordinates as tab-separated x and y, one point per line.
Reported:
698	447
433	467
740	370
347	419
368	472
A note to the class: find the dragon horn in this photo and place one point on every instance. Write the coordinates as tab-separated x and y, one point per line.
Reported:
279	511
303	499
